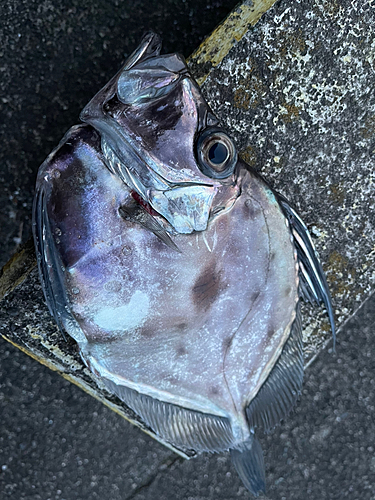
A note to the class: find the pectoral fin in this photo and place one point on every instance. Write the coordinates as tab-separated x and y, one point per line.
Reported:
137	213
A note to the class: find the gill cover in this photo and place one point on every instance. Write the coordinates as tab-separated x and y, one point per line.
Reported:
151	116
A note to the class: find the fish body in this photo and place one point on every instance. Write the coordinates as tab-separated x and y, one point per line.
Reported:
174	266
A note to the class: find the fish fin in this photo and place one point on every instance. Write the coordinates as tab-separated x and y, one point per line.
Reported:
185	429
48	261
305	290
280	391
314	285
150	46
249	464
137	213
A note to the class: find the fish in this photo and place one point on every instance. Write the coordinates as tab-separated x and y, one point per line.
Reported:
178	271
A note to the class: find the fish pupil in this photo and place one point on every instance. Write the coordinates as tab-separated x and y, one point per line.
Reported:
218	153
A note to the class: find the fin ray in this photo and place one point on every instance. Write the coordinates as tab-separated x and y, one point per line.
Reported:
137	213
185	429
280	391
310	269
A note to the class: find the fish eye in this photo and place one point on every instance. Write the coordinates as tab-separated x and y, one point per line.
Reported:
216	154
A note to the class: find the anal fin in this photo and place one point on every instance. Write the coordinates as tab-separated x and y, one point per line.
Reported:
186	429
280	392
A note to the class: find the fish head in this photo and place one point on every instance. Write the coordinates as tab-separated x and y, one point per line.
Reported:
161	138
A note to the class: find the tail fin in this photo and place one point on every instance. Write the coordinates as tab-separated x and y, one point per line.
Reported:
249	465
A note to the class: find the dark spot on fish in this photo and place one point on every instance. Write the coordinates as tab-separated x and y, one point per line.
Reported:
226	343
254	296
79	317
147	333
250	210
207	287
250	374
272	256
181	351
113	286
169	377
288	289
126	250
182	327
271	331
214	390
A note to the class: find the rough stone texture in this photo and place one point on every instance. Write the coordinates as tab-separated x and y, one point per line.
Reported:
218	44
297	92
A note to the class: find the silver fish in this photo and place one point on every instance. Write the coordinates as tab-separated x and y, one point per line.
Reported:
174	266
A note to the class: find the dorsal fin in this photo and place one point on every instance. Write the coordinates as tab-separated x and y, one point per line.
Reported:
279	393
314	285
